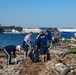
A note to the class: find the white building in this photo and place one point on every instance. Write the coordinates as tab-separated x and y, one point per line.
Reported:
15	31
67	29
10	31
34	30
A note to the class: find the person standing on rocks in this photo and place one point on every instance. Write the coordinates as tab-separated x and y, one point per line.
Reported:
11	48
48	35
57	36
26	44
41	43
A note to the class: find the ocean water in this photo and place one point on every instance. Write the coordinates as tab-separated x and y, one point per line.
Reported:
17	39
13	39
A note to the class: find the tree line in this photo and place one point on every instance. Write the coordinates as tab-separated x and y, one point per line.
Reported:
2	28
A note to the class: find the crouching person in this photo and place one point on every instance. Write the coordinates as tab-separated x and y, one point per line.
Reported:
8	49
41	42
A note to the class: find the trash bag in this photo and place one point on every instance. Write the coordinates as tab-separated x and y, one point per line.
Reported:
34	55
32	44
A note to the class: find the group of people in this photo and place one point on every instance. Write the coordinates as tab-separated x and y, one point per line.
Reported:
41	43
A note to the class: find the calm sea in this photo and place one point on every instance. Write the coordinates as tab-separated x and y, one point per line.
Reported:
17	39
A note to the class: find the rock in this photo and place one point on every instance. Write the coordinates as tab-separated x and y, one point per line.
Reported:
1	62
1	67
75	70
60	67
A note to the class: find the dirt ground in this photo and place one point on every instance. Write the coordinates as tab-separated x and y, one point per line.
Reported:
30	68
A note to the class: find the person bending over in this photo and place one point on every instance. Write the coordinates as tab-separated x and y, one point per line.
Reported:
11	48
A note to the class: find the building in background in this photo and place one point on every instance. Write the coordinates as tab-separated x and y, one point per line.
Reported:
10	31
34	30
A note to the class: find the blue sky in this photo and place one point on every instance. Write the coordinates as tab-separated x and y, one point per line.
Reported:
38	13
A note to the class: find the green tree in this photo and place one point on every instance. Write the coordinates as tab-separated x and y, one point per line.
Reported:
1	29
19	28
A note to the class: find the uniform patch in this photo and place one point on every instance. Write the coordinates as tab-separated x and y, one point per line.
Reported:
42	36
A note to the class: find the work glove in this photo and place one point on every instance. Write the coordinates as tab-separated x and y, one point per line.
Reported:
29	45
15	61
36	46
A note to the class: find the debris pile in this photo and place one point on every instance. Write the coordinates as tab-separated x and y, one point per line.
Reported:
62	62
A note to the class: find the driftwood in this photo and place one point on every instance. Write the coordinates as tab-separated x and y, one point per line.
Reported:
65	71
67	67
56	72
61	69
70	40
58	58
57	52
73	45
71	65
64	54
68	70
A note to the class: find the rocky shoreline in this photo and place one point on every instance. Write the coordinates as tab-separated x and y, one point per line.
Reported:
63	62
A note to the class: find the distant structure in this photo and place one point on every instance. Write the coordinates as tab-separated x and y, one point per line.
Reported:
34	30
43	28
67	29
10	31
